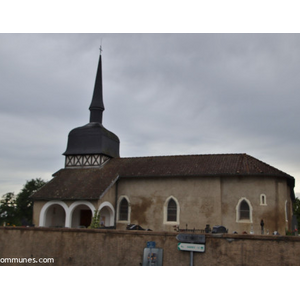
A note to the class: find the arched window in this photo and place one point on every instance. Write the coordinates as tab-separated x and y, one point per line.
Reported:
123	210
244	210
172	211
263	199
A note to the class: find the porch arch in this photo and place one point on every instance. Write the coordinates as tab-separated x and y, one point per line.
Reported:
73	215
107	217
59	220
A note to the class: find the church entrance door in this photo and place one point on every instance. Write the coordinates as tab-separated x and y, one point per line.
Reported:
85	217
81	216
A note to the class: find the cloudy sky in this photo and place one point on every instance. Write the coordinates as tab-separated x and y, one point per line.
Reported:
164	94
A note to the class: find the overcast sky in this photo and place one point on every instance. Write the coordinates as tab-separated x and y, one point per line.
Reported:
164	94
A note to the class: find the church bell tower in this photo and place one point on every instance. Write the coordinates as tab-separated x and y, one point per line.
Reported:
92	144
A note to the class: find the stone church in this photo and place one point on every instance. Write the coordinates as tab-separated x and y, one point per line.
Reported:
161	193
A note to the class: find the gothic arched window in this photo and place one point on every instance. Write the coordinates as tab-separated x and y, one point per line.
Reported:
244	210
123	210
172	211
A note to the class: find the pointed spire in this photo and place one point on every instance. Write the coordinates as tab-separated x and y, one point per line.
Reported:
92	139
97	107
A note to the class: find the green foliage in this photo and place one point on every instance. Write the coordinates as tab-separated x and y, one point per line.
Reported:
17	210
296	209
8	209
95	220
23	203
293	232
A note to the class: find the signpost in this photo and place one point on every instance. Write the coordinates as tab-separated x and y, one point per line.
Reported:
151	244
152	256
192	243
191	247
191	238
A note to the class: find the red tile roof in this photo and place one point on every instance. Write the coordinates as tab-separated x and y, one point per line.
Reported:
91	183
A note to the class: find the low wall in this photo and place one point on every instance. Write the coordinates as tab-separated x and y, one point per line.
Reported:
89	247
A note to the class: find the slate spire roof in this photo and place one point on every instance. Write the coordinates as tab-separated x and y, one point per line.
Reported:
97	106
94	138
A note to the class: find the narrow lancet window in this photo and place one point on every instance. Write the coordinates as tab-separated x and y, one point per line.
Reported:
123	213
244	210
172	211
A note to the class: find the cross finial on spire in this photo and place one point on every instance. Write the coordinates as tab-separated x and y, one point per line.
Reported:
97	106
100	47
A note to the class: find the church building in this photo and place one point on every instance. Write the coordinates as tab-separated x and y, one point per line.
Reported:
161	193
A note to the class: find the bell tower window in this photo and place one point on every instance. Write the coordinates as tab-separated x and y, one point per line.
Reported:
85	160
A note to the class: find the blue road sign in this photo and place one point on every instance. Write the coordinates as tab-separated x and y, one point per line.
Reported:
151	244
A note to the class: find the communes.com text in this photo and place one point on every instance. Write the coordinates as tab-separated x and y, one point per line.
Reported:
23	260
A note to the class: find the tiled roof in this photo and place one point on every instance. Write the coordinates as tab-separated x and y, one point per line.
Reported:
195	165
91	183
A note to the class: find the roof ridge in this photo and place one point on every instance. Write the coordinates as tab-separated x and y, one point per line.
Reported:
184	155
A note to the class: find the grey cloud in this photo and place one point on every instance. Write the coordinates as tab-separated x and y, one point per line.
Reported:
163	94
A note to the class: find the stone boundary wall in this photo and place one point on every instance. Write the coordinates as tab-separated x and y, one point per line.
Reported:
92	247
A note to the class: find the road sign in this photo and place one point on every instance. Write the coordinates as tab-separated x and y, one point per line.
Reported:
153	257
191	247
191	238
151	244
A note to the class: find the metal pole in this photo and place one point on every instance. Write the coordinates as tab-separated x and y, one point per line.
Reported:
150	261
191	258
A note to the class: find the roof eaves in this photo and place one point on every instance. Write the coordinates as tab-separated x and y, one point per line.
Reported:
108	188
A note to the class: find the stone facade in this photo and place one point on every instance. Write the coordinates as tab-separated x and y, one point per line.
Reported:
200	201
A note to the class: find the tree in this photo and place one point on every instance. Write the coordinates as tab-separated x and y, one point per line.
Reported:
8	210
18	209
24	204
296	209
95	220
